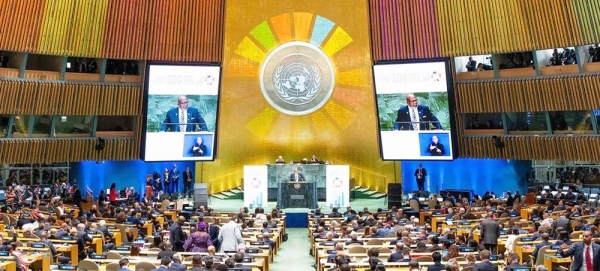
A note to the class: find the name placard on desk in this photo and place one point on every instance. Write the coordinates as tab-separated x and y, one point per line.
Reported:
301	197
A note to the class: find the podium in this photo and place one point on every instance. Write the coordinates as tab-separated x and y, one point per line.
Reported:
297	195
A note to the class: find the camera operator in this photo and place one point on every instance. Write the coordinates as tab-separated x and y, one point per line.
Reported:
555	60
568	56
594	53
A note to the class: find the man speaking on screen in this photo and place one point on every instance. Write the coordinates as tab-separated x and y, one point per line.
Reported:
183	118
415	117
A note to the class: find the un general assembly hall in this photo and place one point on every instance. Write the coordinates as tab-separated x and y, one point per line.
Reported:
214	135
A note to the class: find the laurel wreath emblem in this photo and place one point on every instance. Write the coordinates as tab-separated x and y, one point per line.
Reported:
314	88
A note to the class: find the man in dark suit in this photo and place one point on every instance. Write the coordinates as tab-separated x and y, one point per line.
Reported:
175	179
176	235
490	231
415	117
183	118
485	264
164	264
123	265
297	176
435	241
437	262
188	181
512	260
77	198
561	222
435	148
545	242
239	259
471	65
197	263
420	175
581	252
167	252
397	255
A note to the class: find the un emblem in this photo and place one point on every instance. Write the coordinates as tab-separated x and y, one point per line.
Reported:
297	78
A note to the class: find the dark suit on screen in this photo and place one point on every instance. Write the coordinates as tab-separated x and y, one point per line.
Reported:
194	119
426	119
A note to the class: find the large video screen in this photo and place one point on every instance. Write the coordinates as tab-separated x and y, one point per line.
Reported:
414	110
181	112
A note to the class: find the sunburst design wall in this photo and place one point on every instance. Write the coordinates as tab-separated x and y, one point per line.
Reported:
331	38
342	131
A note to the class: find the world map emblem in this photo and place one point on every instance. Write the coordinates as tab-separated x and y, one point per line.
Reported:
297	78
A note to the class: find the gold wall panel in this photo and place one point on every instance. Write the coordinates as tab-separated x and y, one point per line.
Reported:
343	131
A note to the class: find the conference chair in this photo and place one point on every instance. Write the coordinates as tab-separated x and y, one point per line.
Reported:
113	267
424	259
375	242
113	255
164	205
539	260
146	266
88	265
357	249
414	205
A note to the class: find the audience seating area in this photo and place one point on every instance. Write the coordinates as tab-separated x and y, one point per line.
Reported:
128	240
436	230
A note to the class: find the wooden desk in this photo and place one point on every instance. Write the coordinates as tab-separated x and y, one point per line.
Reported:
8	265
40	261
117	238
148	226
552	261
98	245
524	252
69	250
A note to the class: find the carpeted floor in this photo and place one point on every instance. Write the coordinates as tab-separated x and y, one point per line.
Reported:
293	254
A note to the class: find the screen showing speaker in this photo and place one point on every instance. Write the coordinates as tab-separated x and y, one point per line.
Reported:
181	109
414	110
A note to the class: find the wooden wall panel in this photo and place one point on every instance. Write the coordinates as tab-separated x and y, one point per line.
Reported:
405	29
21	24
87	29
62	98
565	148
126	25
192	30
496	26
579	92
56	26
186	30
588	18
